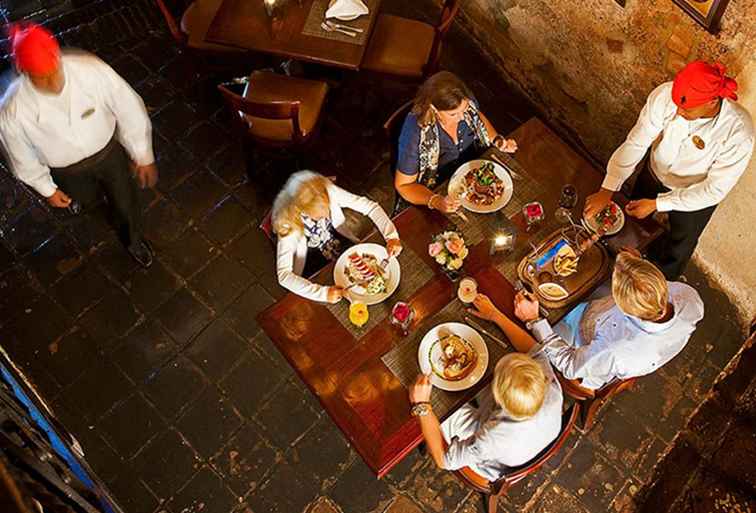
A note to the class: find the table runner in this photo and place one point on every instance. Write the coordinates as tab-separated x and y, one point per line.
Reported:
316	16
414	274
402	359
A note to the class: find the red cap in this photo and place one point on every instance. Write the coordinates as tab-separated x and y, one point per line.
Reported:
700	82
34	48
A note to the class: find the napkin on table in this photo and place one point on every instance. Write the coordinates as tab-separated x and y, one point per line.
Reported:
346	9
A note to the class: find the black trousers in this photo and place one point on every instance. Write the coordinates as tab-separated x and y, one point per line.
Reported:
672	251
107	171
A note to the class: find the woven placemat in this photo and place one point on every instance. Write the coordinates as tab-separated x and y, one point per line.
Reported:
402	359
414	274
316	16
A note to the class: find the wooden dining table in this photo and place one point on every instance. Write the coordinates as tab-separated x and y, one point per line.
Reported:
346	369
291	31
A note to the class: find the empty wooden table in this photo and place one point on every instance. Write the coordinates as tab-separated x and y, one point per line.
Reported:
246	24
345	369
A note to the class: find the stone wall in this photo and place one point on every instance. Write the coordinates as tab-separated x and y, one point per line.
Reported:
590	64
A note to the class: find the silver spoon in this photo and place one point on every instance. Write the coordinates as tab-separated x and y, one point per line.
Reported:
325	27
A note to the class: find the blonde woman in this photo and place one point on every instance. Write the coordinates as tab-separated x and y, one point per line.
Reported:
309	222
643	325
444	129
516	418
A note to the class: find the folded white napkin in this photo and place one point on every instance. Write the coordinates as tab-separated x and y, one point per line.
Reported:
346	9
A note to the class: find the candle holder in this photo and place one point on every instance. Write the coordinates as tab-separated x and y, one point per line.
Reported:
504	235
270	7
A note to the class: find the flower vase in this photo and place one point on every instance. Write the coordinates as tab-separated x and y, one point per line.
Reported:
454	275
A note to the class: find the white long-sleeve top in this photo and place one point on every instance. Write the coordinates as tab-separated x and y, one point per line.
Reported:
488	441
601	344
292	249
697	178
40	131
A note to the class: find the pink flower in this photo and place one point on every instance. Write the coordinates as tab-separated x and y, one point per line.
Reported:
455	246
435	248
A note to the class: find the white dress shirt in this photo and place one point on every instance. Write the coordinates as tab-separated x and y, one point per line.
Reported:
489	442
597	343
40	131
292	249
697	178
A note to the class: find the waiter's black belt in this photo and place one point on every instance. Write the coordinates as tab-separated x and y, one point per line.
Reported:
93	160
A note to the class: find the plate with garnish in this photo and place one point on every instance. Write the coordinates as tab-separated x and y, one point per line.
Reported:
455	356
367	272
607	222
483	186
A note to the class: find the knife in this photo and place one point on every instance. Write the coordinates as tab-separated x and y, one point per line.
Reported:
480	328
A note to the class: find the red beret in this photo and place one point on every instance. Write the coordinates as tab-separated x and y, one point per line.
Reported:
34	48
700	82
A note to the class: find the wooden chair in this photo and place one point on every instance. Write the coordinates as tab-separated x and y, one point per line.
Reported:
408	48
592	400
188	22
392	128
494	490
276	111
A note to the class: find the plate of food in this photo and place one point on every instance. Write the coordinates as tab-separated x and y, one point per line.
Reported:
565	261
610	220
483	186
552	291
454	354
359	269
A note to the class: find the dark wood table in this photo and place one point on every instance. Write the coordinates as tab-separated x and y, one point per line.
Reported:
246	24
360	393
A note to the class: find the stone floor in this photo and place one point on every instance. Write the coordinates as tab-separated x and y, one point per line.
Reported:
181	403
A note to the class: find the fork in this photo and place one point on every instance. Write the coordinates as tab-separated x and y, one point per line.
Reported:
335	25
514	174
328	28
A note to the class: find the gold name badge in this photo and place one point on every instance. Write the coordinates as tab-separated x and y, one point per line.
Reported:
700	144
87	113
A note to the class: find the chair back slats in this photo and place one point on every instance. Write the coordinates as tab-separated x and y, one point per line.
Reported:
448	13
171	20
273	110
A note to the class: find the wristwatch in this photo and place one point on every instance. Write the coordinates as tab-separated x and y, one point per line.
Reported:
530	324
497	138
421	409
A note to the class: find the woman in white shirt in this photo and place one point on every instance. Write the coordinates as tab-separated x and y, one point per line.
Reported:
309	221
701	141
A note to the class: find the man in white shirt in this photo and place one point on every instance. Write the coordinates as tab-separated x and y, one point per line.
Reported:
701	141
642	325
71	127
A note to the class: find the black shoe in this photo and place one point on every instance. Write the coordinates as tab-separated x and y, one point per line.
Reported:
142	253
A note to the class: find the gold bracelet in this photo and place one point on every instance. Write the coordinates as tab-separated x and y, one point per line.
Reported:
430	201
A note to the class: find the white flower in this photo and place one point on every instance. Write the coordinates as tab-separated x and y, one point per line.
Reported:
441	258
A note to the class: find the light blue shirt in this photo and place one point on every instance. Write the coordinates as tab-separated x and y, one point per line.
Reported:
598	343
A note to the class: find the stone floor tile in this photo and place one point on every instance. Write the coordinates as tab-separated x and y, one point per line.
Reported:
54	259
216	350
67	357
19	289
230	164
243	312
590	475
175	166
711	493
7	259
30	230
189	253
174	386
81	288
226	220
322	455
439	491
183	316
624	502
199	193
286	417
405	470
285	492
204	140
322	505
132	493
245	460
205	493
99	454
110	318
251	382
208	422
739	441
27	334
97	390
373	493
175	119
265	346
115	262
560	500
131	69
149	288
166	451
130	424
91	228
143	351
164	223
402	504
221	281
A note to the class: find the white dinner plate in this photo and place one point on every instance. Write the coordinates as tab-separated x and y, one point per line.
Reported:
456	183
430	351
348	18
357	293
616	227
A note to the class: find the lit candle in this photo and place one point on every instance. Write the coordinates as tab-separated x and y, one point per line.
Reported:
269	6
